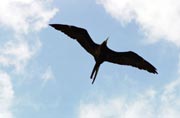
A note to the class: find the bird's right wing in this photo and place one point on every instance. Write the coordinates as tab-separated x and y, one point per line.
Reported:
129	58
80	34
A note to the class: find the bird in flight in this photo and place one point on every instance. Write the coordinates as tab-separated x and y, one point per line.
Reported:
101	52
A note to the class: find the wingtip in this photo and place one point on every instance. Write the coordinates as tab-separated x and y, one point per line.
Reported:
52	25
155	71
152	70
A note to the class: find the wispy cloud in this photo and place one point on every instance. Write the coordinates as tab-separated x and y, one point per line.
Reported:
47	76
24	16
21	19
16	53
6	95
158	19
152	103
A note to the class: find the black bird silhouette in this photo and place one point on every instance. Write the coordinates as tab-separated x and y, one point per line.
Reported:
101	52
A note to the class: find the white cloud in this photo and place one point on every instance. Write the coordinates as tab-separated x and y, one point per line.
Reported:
6	96
26	15
117	108
16	53
151	104
24	18
158	19
47	75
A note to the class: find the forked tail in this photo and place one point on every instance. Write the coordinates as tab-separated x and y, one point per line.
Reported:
94	72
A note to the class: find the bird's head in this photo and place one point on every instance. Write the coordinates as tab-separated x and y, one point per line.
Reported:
105	42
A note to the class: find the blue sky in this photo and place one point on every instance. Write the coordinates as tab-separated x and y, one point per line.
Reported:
46	74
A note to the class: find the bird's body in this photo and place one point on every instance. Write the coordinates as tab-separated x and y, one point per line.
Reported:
102	53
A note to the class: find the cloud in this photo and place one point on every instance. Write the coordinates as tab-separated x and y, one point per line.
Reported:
22	19
16	53
6	96
158	19
47	75
23	16
150	104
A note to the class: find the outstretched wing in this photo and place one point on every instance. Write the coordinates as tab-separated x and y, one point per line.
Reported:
129	58
80	34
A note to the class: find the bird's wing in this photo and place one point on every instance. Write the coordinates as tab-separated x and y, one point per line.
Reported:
80	34
129	58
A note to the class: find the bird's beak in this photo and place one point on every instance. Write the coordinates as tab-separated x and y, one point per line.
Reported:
106	39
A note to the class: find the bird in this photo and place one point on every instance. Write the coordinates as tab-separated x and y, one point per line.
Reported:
101	52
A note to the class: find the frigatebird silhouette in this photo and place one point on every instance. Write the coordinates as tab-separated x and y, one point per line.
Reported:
101	52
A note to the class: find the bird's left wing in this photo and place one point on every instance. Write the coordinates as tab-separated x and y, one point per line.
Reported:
129	58
80	34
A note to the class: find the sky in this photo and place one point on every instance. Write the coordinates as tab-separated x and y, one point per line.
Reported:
45	74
